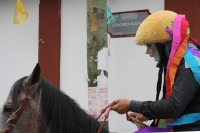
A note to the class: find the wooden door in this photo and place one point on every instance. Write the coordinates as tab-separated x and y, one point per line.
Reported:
191	8
49	40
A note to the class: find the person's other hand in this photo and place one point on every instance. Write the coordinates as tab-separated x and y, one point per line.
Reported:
138	116
121	106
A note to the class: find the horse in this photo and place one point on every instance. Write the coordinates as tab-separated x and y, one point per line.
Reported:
34	105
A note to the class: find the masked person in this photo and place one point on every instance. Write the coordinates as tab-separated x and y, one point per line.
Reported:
166	36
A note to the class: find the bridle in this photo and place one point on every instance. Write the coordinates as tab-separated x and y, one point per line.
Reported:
10	123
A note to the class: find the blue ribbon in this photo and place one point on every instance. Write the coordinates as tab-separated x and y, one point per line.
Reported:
185	119
193	64
110	17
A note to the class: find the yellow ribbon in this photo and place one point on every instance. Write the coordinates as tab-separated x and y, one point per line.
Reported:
21	14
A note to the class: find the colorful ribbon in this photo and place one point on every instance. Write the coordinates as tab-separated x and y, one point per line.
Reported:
178	49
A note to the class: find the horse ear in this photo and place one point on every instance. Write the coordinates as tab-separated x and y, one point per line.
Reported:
34	76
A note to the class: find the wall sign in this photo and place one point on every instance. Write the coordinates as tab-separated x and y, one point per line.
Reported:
126	24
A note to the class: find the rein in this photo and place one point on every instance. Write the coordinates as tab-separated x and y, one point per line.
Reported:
10	123
107	115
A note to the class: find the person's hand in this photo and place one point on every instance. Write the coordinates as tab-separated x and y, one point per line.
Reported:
137	116
121	106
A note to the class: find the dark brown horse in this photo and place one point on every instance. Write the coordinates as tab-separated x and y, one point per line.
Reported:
39	107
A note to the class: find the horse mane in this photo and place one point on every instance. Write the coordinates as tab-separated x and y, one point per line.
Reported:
60	113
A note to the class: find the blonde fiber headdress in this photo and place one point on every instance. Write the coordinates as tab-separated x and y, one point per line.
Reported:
153	28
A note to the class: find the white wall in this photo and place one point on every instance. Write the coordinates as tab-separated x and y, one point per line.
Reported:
18	44
132	74
74	50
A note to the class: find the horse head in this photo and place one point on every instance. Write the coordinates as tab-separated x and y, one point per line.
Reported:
36	106
19	94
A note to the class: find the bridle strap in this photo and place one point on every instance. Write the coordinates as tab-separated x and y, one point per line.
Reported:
7	123
29	93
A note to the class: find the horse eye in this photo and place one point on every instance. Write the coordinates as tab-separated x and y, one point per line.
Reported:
7	109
